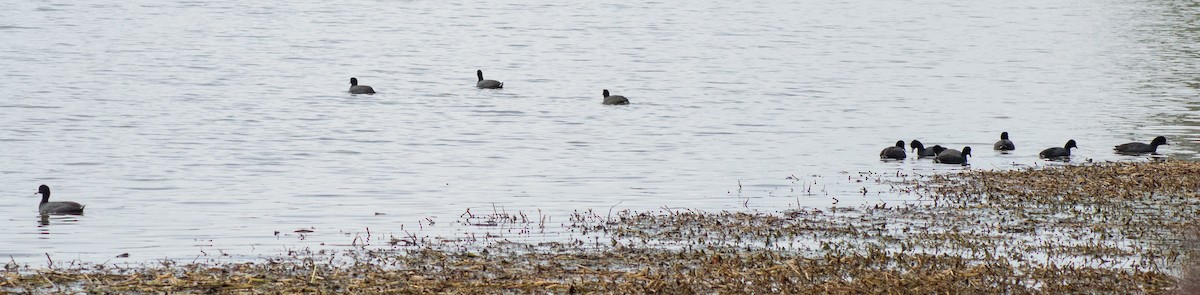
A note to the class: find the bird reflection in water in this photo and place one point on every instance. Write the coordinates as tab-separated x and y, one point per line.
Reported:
44	220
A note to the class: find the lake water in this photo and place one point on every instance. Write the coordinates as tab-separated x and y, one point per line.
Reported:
199	128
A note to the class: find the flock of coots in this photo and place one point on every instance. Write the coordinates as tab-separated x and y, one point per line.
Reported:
487	84
896	152
952	156
48	207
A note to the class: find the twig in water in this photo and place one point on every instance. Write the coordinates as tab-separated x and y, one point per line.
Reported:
607	218
48	280
313	277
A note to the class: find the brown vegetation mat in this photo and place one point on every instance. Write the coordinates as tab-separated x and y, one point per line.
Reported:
1103	228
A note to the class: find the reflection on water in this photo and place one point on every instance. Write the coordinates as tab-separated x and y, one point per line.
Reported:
44	220
225	124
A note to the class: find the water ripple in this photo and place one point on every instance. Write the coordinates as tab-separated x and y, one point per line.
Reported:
237	125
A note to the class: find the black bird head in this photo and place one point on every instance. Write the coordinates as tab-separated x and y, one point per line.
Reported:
1161	140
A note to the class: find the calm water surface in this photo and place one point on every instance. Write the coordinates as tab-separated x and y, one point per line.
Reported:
196	129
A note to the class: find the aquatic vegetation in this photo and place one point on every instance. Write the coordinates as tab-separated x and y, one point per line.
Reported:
1097	228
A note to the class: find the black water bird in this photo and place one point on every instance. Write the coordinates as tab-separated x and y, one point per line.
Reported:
923	152
1004	144
952	156
488	84
614	99
48	207
360	89
893	152
1136	148
1059	153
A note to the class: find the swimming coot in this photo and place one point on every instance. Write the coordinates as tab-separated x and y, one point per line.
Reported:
48	207
614	99
1135	148
1004	144
893	152
1056	153
951	156
360	89
923	152
489	84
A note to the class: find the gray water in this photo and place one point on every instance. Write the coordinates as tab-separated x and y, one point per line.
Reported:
199	129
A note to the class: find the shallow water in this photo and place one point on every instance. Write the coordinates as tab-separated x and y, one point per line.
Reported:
196	129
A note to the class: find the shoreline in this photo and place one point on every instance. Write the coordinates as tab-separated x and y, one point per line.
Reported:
1105	227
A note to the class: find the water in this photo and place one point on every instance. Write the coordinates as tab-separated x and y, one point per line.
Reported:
197	129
